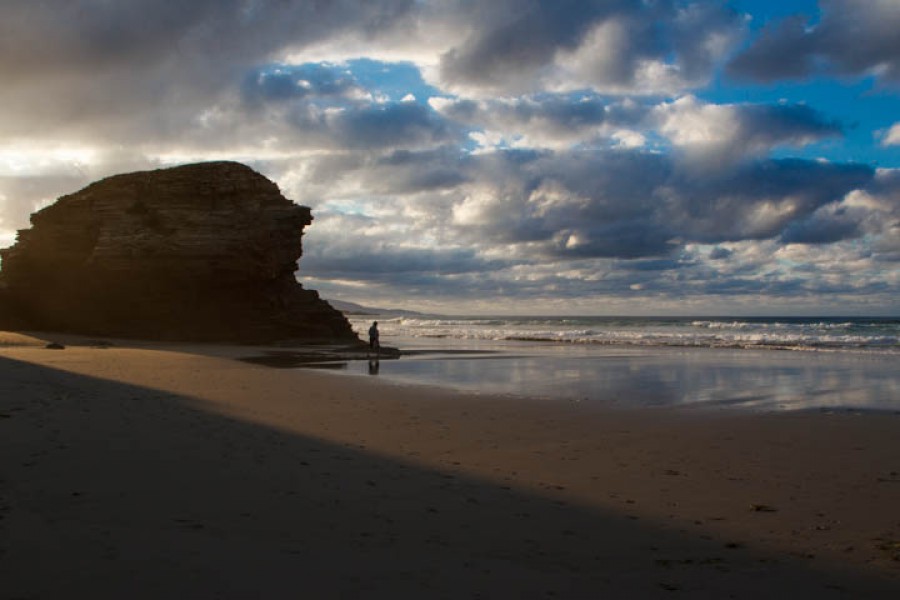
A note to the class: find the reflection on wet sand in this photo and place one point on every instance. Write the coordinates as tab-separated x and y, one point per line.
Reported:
768	380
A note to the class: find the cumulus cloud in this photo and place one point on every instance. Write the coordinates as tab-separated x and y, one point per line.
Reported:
720	253
93	68
618	223
563	151
877	208
279	109
393	125
706	130
892	136
540	207
852	38
729	131
407	172
535	120
547	121
827	225
284	83
612	47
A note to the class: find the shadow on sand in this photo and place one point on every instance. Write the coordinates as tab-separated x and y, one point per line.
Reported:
151	496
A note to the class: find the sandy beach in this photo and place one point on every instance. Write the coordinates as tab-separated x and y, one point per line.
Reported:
151	470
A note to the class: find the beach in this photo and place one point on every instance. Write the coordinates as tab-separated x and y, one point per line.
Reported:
149	470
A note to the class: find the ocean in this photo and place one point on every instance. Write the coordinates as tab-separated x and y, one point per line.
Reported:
881	335
761	363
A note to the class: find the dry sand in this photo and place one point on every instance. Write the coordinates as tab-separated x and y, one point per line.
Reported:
179	472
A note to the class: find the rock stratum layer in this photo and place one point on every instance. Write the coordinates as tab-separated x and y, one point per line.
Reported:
203	252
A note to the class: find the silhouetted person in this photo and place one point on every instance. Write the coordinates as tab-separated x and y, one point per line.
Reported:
374	344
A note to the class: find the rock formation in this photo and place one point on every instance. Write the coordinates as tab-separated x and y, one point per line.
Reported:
202	252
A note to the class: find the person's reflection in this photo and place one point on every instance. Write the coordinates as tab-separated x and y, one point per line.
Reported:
374	366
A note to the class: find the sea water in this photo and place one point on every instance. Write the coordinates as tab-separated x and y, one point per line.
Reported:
880	335
762	363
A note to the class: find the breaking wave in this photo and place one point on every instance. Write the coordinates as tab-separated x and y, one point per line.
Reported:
880	335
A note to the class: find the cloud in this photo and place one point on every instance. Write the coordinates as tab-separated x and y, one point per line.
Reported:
822	227
562	151
612	47
713	132
384	251
117	70
283	83
408	172
721	132
852	38
892	137
547	117
757	200
404	124
282	110
545	121
877	208
616	204
720	253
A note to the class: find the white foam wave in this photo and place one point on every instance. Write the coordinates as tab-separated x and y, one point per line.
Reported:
774	334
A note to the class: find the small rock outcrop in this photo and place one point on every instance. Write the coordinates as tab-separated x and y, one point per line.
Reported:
203	252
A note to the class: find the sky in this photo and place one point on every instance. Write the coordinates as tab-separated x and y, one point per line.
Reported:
593	157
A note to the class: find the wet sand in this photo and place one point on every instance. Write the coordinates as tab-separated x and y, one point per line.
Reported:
177	471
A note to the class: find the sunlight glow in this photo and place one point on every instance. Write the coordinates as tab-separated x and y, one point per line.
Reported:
23	160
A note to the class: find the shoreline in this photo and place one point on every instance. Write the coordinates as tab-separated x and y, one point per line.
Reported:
182	468
872	335
628	376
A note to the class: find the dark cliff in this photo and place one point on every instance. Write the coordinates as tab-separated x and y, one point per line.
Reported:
202	252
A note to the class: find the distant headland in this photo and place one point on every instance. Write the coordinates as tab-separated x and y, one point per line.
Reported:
199	252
